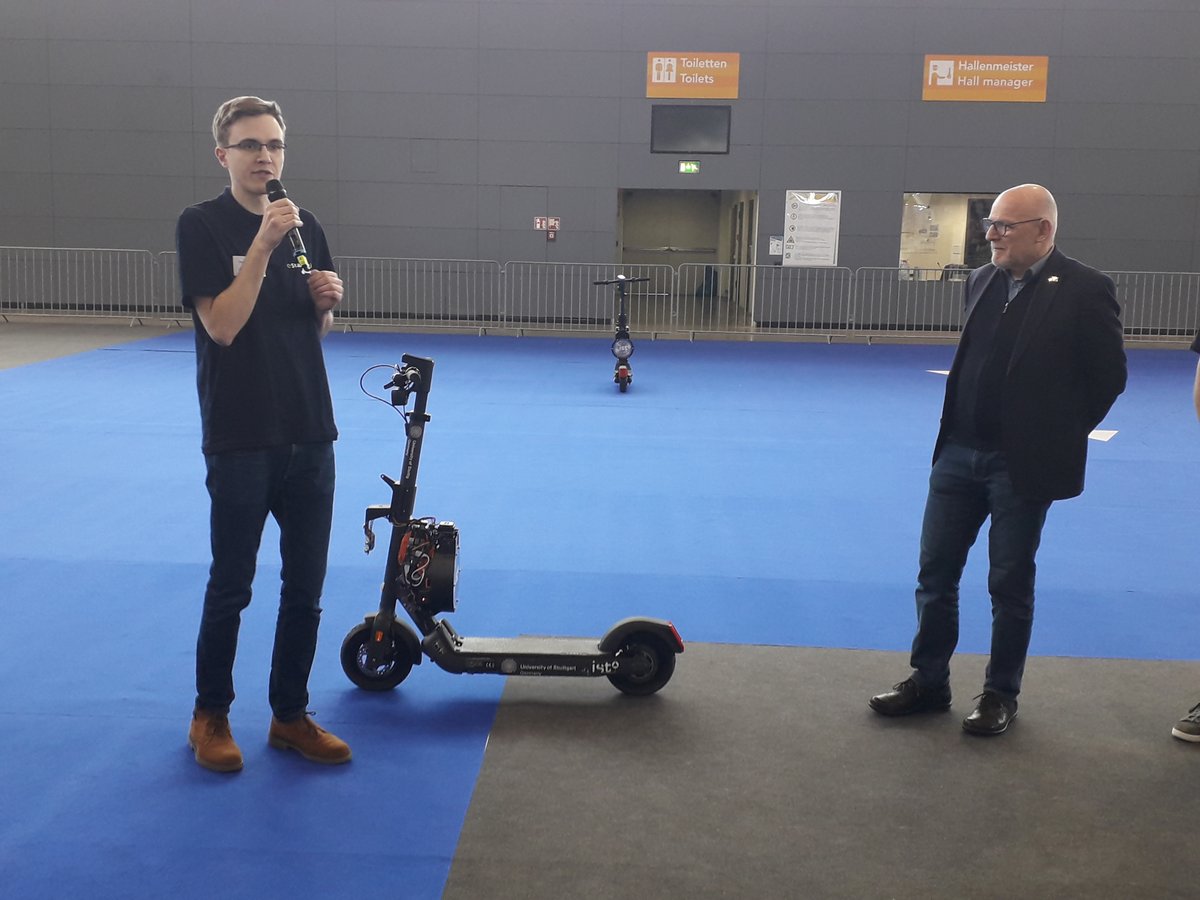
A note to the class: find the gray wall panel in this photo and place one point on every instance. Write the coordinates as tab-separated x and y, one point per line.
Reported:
967	170
843	76
1129	126
638	168
261	22
729	27
408	243
825	29
1137	34
24	19
407	115
24	106
313	158
1091	214
121	153
26	231
115	108
405	205
577	209
408	70
536	27
118	196
1162	172
26	151
23	196
1084	79
23	61
576	74
277	67
986	31
121	63
548	119
433	23
528	246
868	123
116	20
1013	125
519	205
407	160
548	163
1156	5
833	168
441	127
114	234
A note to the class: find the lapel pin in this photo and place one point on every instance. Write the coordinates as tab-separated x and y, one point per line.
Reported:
1053	279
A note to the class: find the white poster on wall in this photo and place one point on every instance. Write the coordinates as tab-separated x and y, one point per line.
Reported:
811	225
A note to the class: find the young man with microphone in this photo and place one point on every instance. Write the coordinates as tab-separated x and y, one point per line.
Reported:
260	310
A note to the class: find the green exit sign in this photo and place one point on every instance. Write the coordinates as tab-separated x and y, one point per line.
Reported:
689	167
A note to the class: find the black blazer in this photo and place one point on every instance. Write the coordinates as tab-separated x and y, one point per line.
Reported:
1066	371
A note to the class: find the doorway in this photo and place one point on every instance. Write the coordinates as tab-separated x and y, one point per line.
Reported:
707	236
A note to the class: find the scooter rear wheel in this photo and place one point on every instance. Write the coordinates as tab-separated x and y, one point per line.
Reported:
356	664
652	663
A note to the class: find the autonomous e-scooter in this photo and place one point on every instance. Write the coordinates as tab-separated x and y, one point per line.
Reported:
421	574
622	345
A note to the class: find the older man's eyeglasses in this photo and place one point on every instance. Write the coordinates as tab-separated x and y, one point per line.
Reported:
1003	228
252	146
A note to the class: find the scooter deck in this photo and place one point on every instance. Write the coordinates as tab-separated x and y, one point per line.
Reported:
530	645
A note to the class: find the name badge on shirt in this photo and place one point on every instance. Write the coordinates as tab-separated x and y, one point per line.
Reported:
237	264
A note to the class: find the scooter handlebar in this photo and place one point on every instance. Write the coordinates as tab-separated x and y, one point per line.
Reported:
621	279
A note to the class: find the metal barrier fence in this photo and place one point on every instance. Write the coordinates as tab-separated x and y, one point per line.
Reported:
690	300
65	281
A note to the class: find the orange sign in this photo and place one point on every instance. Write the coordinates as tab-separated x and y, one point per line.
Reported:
1003	79
712	75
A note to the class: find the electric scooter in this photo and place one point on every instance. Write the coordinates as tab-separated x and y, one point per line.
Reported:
622	345
421	575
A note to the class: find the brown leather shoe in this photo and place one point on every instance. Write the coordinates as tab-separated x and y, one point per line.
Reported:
210	739
308	739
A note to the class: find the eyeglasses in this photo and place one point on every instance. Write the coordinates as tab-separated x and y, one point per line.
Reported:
252	146
1002	227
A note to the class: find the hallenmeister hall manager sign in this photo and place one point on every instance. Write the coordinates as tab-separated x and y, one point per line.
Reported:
1004	79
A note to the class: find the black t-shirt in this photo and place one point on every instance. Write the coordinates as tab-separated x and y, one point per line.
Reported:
269	386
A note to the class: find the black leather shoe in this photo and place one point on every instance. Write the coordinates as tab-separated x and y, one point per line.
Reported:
993	715
909	697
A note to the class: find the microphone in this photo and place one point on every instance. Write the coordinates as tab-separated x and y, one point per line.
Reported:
275	192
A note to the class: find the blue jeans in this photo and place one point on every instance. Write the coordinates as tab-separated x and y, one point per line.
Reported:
965	487
294	483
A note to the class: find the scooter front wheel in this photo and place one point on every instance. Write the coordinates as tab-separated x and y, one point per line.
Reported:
648	665
357	665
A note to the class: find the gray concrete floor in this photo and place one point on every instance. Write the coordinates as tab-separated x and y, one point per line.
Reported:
24	340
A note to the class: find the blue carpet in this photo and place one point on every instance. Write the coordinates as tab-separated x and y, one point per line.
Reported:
752	493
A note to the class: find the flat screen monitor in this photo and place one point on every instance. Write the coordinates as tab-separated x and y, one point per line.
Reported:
689	129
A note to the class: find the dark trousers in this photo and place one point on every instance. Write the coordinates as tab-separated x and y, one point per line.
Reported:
294	483
965	487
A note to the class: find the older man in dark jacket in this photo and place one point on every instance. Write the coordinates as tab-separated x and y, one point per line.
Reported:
1040	363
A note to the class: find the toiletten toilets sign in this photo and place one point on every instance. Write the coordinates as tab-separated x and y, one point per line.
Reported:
1003	79
710	75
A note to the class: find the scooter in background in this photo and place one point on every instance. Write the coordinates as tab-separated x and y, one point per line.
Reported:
622	345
